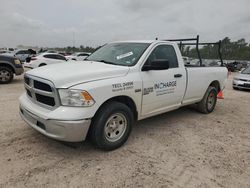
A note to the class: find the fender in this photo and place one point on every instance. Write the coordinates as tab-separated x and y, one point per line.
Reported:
9	64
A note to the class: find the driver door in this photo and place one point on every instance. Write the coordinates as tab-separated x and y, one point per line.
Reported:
163	90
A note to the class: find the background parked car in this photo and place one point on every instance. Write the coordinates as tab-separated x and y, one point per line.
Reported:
23	54
242	81
78	56
44	59
234	66
9	66
186	60
4	51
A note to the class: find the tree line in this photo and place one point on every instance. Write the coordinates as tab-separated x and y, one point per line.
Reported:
81	48
231	50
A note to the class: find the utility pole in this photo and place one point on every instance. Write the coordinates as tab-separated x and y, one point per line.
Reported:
73	39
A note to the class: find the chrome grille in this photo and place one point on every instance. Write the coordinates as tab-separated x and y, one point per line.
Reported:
41	91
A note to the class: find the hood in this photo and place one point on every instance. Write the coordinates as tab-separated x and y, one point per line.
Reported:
243	76
65	75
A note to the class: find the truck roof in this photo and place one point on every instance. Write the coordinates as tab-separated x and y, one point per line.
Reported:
140	41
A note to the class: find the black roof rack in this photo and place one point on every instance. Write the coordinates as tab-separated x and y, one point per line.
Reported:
187	41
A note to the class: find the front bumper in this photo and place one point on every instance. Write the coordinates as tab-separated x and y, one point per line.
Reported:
241	84
59	129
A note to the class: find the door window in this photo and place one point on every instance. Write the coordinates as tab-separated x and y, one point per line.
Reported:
60	57
20	52
54	56
164	52
50	56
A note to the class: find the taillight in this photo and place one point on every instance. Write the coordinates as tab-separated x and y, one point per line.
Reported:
33	58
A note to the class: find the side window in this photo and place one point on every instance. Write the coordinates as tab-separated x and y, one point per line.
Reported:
20	52
61	57
164	52
50	56
26	52
83	55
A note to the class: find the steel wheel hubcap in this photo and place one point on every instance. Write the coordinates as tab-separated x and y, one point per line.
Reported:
210	101
115	127
4	75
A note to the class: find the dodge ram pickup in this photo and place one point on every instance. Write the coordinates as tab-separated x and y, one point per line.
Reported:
120	83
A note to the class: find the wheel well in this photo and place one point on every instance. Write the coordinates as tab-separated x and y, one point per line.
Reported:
216	84
125	100
9	66
42	64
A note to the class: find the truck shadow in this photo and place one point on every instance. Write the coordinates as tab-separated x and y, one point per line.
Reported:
143	127
168	117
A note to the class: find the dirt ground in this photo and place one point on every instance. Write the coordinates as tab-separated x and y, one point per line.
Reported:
182	148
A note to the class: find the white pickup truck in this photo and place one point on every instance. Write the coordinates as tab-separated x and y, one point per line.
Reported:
118	84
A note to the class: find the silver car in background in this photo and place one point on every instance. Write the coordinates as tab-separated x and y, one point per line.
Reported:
242	81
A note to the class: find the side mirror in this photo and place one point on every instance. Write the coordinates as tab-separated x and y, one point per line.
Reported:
159	64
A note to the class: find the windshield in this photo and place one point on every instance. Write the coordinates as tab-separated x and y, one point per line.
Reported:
246	71
125	54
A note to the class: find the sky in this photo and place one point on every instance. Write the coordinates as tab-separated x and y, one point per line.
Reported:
59	23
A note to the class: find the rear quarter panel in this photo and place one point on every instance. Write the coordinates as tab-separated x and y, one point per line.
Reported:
199	78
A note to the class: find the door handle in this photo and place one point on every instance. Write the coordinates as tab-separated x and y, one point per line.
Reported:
178	75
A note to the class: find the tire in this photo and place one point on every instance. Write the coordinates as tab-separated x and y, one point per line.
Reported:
6	75
105	132
42	64
208	103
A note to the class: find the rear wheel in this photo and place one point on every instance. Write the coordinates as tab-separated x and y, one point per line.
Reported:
111	126
208	103
6	75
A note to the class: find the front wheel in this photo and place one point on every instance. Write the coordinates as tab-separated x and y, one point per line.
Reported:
111	126
6	75
208	103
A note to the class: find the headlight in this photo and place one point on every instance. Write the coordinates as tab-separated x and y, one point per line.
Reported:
17	62
236	79
72	97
